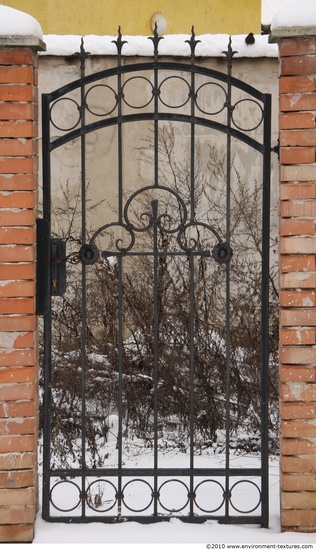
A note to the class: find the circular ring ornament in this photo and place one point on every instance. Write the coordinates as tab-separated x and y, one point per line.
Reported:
222	253
151	495
220	109
97	501
231	497
124	93
175	492
212	510
65	129
89	254
234	113
93	88
65	482
180	104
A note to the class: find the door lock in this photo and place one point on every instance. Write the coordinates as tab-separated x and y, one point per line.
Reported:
58	266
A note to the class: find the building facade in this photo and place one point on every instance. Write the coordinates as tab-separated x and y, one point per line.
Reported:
100	17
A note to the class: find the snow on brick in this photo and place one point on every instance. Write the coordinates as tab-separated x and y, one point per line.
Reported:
17	23
300	13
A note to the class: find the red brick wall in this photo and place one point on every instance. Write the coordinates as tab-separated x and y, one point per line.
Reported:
298	283
18	337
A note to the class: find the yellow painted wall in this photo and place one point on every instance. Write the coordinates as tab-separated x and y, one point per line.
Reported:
104	16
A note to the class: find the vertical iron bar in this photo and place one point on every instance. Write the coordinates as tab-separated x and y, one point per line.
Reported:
192	175
192	378
191	264
155	40
156	343
120	380
192	43
228	342
265	309
156	137
47	366
119	127
119	45
83	279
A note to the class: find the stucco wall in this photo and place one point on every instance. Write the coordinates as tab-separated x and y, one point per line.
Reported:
83	17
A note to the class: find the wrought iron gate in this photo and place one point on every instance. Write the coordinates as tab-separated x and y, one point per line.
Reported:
163	371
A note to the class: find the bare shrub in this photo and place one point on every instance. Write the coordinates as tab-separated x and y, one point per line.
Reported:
177	371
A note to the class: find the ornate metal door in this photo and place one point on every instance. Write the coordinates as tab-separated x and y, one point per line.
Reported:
142	281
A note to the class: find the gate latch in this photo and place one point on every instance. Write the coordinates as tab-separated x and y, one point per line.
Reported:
58	266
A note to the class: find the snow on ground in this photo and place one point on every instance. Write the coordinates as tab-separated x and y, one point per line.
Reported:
174	531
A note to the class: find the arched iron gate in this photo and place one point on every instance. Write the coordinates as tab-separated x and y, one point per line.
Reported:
89	490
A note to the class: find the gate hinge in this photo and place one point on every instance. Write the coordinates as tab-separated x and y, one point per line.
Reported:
276	149
42	266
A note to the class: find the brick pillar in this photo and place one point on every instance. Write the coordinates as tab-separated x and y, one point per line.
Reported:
18	324
297	278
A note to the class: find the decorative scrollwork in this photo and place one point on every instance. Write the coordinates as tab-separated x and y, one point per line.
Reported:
154	217
117	247
187	234
190	244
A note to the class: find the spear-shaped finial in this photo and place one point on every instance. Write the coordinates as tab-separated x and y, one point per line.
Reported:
229	54
82	54
192	43
119	43
155	40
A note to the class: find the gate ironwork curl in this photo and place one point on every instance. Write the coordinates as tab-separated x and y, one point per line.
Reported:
192	493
